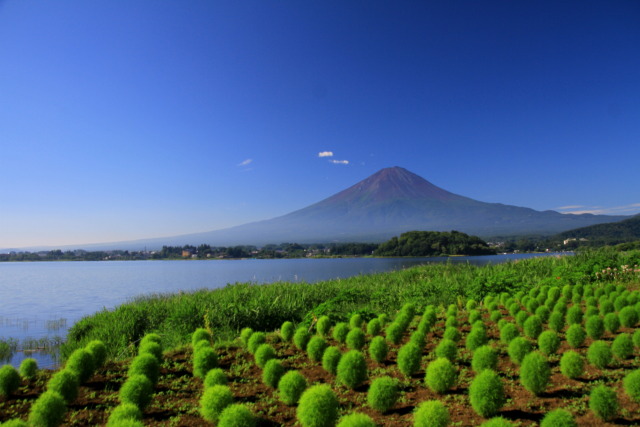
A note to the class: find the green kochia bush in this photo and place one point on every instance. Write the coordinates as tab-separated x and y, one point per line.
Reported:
558	418
200	334
535	373
98	351
355	339
548	342
533	327
576	335
318	407
441	375
394	333
215	376
236	415
431	413
628	317
383	394
497	422
409	357
374	327
331	358
150	347
264	353
631	385
82	363
486	393
256	340
518	349
485	357
122	412
448	349
352	369
595	327
148	365
291	386
612	322
452	334
323	327
340	332
378	349
356	419
28	368
603	401
477	338
272	373
137	390
286	331
246	333
356	321
48	410
599	354
556	321
9	380
622	346
214	400
571	364
508	332
204	360
64	382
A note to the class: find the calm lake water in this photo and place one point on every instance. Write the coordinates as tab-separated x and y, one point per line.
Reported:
39	301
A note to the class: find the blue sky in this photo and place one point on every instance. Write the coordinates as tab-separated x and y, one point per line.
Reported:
131	119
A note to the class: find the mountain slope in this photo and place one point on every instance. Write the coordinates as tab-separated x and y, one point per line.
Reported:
627	230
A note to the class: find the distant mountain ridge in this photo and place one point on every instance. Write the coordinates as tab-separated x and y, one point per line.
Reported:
627	230
386	204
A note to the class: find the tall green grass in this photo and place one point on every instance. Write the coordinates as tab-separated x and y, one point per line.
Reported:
265	307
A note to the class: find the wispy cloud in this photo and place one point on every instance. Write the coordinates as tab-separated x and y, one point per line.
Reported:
629	209
340	162
245	162
325	154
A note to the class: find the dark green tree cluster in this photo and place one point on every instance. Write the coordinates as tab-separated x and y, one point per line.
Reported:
434	243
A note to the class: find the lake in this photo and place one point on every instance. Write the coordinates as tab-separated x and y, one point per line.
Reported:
39	301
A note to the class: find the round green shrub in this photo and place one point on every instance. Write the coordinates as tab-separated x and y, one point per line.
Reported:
599	354
486	393
64	382
263	354
323	327
146	364
636	338
378	349
556	321
256	340
485	357
374	327
383	394
543	313
356	321
204	360
286	331
213	401
200	334
474	315
451	322
521	317
612	322
508	332
518	349
441	375
245	334
356	419
575	335
603	401
316	347
152	348
272	372
236	415
558	418
48	410
418	338
291	386
122	412
620	302
532	327
431	413
9	380
28	368
471	304
549	342
574	315
409	357
137	390
571	364
340	332
355	339
98	351
592	311
622	346
352	369
394	333
495	316
215	376
452	334
606	307
452	310
595	327
82	363
628	317
477	337
331	358
561	306
631	385
497	422
200	345
383	318
535	373
447	349
318	407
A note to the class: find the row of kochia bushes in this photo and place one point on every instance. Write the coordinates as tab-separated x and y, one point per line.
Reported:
605	309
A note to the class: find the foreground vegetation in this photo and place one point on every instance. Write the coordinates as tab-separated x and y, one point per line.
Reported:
555	349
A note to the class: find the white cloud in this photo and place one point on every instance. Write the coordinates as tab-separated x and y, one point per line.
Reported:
629	209
245	162
325	154
340	162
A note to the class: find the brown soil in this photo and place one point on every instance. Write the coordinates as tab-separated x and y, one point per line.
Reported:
177	392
